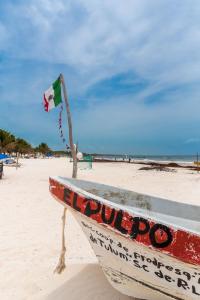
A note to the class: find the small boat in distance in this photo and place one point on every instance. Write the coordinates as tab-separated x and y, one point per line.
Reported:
148	247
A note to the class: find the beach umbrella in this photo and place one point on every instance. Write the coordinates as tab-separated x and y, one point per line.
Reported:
4	157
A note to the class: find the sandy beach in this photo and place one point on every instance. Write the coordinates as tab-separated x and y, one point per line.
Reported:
30	223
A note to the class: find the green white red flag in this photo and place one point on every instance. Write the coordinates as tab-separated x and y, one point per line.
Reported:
52	96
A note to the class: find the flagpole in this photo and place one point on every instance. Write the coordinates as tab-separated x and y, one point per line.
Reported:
73	150
61	264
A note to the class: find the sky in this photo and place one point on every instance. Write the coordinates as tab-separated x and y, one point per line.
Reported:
132	70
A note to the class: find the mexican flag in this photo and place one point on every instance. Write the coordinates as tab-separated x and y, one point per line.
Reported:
52	97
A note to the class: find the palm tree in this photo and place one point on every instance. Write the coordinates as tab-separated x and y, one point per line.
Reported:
43	148
22	146
9	143
6	140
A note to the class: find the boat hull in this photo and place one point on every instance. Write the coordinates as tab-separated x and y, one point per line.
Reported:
138	271
131	263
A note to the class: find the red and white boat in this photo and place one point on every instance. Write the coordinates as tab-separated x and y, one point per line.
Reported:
148	247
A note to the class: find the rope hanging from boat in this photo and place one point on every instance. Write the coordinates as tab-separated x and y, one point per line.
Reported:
61	264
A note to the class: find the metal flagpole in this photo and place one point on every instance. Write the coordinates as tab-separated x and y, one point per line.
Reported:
61	264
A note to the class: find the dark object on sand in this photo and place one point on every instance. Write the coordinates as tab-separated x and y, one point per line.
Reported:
1	170
157	168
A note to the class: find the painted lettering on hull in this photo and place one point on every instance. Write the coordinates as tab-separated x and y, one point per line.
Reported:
178	243
159	273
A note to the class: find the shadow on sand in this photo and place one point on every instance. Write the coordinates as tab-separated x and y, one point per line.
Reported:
87	283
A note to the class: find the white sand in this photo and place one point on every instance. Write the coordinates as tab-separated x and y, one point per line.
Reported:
30	222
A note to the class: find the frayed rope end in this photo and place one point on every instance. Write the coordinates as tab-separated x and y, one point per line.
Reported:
61	264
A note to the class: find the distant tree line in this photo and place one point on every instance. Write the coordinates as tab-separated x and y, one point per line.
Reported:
9	144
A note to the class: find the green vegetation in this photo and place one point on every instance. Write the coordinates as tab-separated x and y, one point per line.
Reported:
43	148
9	144
6	140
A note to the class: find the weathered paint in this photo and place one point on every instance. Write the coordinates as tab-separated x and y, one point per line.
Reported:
175	242
140	271
161	258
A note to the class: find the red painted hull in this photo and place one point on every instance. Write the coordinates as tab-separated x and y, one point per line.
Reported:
170	253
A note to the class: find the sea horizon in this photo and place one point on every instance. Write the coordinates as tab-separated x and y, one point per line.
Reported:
175	157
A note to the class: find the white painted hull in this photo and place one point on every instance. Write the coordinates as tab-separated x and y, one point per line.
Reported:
137	271
141	255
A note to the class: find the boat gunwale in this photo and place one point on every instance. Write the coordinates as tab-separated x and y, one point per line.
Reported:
66	182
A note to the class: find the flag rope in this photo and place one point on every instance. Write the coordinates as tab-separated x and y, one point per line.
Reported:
61	128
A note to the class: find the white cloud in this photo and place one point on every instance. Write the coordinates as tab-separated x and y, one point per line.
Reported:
97	39
123	117
157	39
4	35
192	140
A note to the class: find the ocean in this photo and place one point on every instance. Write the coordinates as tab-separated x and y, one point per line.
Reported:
168	158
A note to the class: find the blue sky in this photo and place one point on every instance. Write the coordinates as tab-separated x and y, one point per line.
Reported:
132	71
